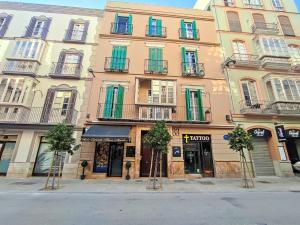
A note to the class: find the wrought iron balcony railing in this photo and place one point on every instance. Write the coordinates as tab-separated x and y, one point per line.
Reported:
156	66
254	5
245	60
271	107
121	28
75	35
116	64
154	31
191	34
65	70
36	115
152	113
273	62
192	69
21	67
265	28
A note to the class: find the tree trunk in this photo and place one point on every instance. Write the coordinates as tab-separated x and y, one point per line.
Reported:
160	170
151	166
54	170
49	172
246	185
155	170
59	169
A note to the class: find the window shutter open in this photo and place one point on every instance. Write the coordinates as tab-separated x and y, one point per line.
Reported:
46	28
150	26
151	63
30	27
183	56
60	63
200	105
122	57
79	64
158	28
70	30
286	26
108	102
85	30
119	106
47	106
183	30
195	34
5	25
71	107
197	62
130	24
188	104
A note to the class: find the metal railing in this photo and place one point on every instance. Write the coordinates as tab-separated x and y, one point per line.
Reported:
192	69
20	67
75	35
253	6
151	113
121	28
60	69
36	115
246	60
273	62
116	64
192	34
265	28
270	107
154	31
156	66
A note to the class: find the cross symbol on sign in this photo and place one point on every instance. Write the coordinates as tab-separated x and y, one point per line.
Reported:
186	137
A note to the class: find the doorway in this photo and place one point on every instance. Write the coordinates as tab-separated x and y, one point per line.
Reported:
6	151
145	163
293	149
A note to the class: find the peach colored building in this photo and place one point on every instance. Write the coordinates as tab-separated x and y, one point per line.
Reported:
157	63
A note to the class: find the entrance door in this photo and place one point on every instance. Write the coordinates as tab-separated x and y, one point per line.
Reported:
6	151
146	161
115	162
261	158
293	148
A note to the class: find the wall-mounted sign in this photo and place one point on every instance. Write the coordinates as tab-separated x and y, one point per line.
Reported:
130	151
226	137
191	138
176	151
280	133
292	133
260	132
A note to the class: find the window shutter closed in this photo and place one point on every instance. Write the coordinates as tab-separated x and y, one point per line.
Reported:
46	28
200	105
151	63
286	26
47	106
5	25
122	57
85	31
71	107
195	34
30	27
159	58
70	30
158	28
119	106
197	62
234	22
188	104
259	21
183	30
108	102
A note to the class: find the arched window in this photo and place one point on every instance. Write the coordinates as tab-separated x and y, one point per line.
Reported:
259	21
239	50
234	22
249	92
286	26
229	2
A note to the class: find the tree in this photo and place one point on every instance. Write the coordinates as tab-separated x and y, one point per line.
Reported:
157	139
61	141
239	141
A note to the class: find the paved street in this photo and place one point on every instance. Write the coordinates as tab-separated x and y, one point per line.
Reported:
274	201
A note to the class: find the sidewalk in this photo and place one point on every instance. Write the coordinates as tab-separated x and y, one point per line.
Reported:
263	184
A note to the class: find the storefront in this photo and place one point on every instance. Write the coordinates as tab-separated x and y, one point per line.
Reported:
293	145
6	151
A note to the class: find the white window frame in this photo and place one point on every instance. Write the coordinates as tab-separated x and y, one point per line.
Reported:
273	46
27	49
282	96
158	93
254	99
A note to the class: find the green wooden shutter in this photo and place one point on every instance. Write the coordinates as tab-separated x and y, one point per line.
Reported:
115	27
151	62
159	60
130	24
108	102
150	26
183	56
158	28
194	26
119	106
189	115
200	106
122	57
197	63
113	62
183	30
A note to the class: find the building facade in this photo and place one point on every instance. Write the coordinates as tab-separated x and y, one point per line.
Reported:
158	63
261	45
45	53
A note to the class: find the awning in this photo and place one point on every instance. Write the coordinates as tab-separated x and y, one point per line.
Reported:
106	133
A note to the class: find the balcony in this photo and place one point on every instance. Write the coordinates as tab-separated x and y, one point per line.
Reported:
190	34
21	67
246	60
136	113
22	115
65	70
120	65
121	28
192	69
295	62
253	5
265	28
153	31
156	66
271	107
275	63
75	36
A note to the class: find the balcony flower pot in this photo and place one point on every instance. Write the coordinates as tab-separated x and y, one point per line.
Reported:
128	166
84	164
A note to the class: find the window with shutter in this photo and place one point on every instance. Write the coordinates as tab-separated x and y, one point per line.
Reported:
194	105
119	60
234	22
4	23
113	107
122	24
38	27
286	26
155	63
259	21
277	4
77	31
249	93
188	30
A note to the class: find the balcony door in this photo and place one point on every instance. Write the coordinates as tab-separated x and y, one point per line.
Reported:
250	93
191	62
78	31
122	24
113	107
70	64
194	105
189	30
240	51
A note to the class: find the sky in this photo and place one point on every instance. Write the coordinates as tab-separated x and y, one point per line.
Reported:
100	3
